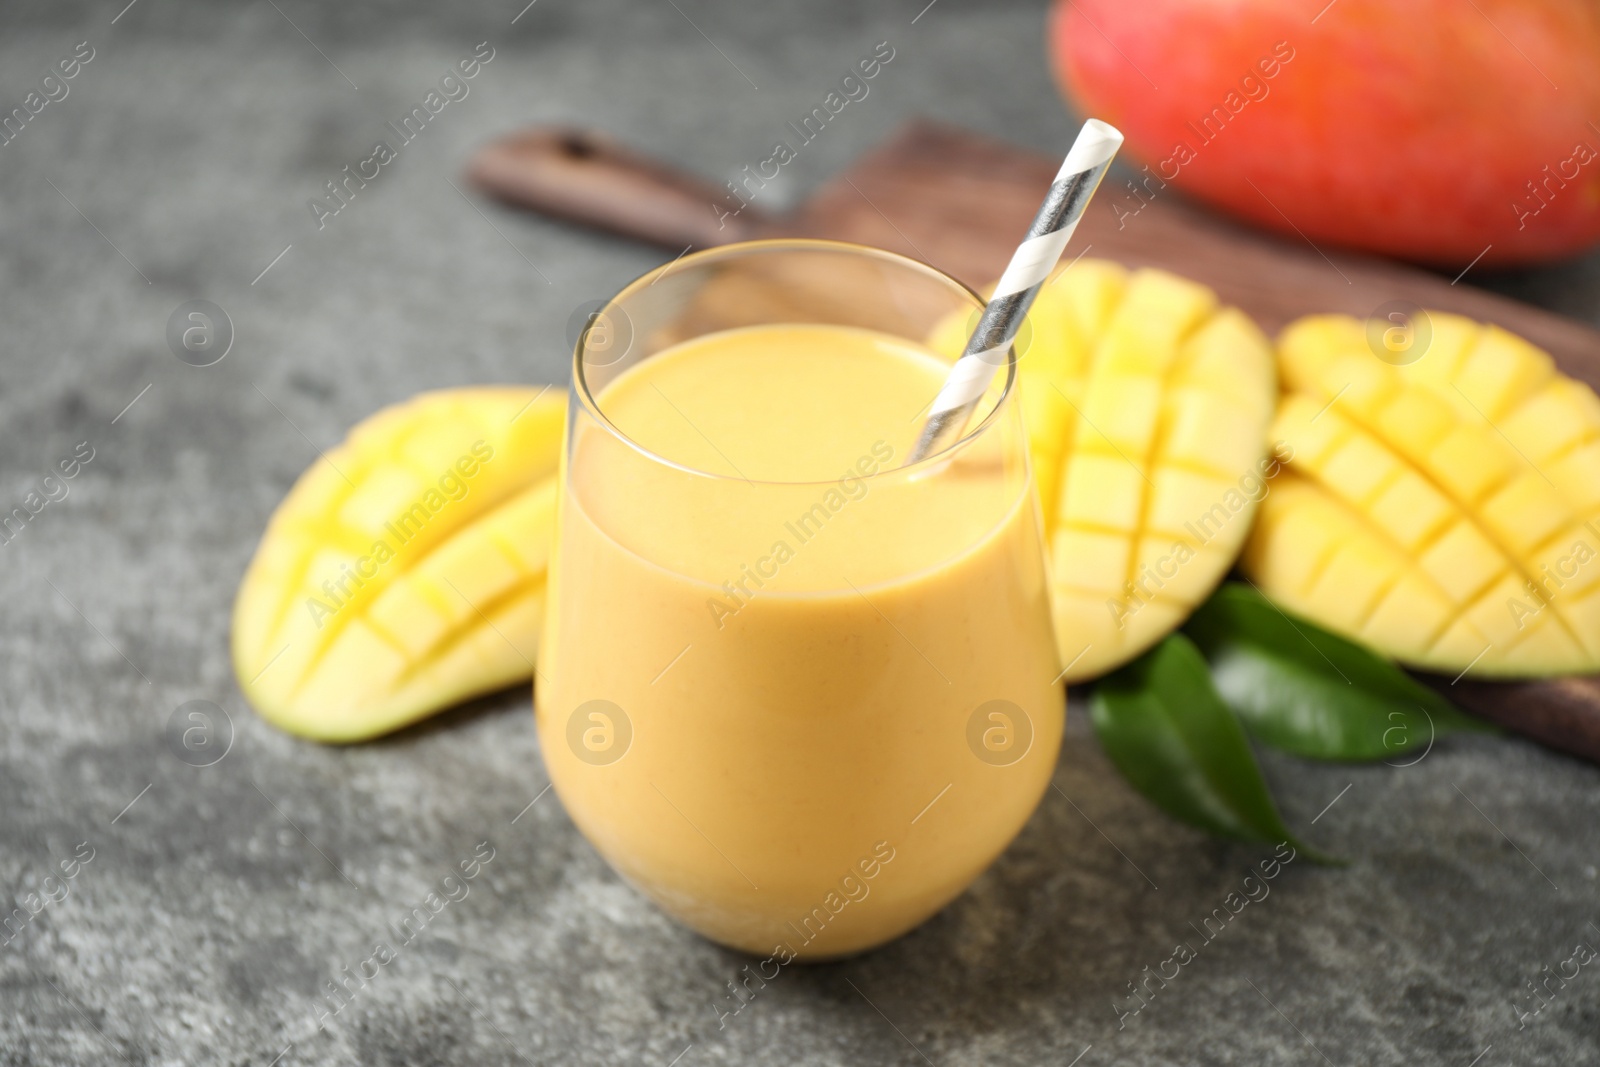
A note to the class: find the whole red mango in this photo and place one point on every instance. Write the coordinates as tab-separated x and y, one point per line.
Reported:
1429	130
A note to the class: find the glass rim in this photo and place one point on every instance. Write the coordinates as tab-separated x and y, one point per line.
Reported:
591	404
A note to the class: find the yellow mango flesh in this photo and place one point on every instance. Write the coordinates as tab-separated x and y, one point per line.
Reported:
1445	511
1147	407
405	571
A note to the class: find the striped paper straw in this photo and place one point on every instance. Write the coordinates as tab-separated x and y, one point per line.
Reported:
1076	181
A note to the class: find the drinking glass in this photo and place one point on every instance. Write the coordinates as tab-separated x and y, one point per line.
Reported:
799	714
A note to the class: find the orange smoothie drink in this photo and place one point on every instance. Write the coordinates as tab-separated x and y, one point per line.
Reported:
797	694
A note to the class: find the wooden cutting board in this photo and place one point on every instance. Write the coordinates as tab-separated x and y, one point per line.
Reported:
960	202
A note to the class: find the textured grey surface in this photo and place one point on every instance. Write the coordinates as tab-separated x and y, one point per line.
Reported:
217	905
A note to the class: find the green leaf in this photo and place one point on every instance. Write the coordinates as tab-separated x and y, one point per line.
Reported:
1300	688
1163	724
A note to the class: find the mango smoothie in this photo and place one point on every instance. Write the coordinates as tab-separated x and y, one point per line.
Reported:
796	695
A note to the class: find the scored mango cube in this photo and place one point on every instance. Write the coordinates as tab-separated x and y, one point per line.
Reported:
405	570
1150	455
1464	487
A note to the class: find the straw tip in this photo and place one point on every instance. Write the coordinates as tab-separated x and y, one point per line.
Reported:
1100	129
1097	142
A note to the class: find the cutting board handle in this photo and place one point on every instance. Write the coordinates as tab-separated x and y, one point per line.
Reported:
588	178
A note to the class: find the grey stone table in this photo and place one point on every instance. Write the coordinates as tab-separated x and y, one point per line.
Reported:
208	907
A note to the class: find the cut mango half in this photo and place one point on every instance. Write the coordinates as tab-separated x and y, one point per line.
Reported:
405	571
1444	511
1147	407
